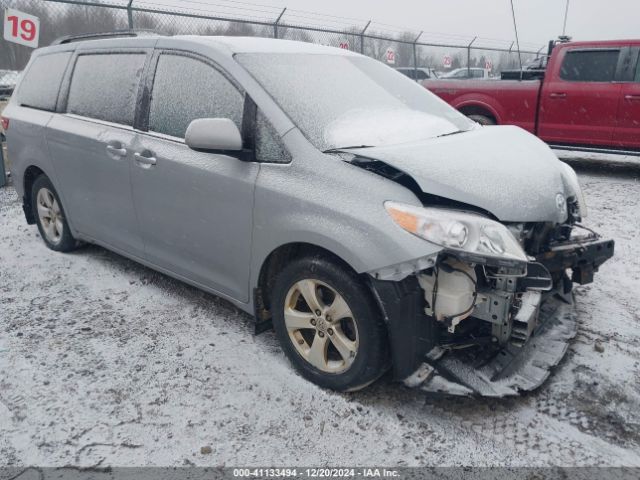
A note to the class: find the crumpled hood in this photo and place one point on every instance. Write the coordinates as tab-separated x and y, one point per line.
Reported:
503	170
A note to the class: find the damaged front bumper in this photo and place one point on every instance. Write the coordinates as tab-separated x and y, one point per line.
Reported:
508	371
540	328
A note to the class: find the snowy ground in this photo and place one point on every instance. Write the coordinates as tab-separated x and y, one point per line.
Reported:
103	361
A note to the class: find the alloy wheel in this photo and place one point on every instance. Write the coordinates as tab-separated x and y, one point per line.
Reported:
50	215
321	326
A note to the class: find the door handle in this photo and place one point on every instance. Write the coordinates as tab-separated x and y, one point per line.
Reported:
144	160
632	97
120	152
558	95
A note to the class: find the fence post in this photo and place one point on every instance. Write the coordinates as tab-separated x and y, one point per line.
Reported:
362	36
275	25
130	14
469	57
415	55
3	178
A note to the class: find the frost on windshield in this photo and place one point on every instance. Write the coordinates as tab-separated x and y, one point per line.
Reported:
384	127
323	92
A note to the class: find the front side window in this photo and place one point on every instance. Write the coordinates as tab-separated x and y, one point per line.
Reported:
589	65
269	146
39	88
637	77
186	89
105	86
343	100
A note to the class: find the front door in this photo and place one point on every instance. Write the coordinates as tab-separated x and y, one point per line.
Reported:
92	145
195	209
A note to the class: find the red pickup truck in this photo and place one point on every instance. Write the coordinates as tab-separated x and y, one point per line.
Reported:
589	96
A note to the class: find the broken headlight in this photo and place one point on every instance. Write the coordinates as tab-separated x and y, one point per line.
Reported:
458	231
571	181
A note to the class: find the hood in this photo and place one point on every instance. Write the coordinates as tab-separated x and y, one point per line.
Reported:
503	170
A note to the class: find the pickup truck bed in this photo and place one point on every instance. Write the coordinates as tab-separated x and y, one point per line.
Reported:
589	97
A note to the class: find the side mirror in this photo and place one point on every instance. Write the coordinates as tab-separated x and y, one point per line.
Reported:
213	134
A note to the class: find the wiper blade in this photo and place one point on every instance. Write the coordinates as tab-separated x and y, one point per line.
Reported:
339	149
452	133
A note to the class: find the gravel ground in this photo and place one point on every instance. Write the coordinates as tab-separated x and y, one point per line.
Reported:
105	362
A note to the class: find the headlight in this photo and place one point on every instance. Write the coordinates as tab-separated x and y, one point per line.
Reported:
465	232
572	182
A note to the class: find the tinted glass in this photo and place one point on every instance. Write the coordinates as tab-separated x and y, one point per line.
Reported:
637	78
589	66
269	147
39	88
422	75
343	100
186	89
105	86
408	73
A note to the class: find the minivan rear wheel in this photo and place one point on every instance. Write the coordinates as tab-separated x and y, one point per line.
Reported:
50	216
328	324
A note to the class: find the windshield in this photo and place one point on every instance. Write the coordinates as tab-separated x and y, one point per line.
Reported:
342	101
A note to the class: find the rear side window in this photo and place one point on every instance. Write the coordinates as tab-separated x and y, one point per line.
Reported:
589	66
39	88
105	86
637	77
186	89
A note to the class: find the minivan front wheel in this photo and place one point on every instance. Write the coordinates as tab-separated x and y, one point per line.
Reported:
50	216
328	324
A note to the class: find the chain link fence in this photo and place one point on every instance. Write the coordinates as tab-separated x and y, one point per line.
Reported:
399	48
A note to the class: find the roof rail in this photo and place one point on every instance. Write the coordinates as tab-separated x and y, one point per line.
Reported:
102	35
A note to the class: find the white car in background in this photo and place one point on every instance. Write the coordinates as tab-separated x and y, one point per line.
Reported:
465	73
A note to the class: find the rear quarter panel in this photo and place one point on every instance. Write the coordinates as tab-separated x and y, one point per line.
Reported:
26	144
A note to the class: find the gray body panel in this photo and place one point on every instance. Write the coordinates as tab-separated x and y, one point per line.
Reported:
195	211
96	183
487	168
212	220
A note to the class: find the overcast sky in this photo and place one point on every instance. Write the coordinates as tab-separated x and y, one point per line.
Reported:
538	20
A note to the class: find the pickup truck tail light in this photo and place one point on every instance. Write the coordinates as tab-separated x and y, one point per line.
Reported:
4	121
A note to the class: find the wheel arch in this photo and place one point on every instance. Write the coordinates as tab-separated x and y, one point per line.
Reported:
29	177
479	108
275	261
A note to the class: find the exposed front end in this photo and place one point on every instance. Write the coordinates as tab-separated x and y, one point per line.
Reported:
493	311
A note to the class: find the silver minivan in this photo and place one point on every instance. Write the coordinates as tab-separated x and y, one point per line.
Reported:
371	225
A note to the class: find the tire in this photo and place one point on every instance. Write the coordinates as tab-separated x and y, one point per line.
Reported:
45	201
352	349
482	119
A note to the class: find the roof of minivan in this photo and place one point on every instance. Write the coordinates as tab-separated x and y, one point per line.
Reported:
263	45
228	45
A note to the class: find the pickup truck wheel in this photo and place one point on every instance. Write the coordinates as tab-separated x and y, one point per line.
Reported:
482	119
328	325
50	216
